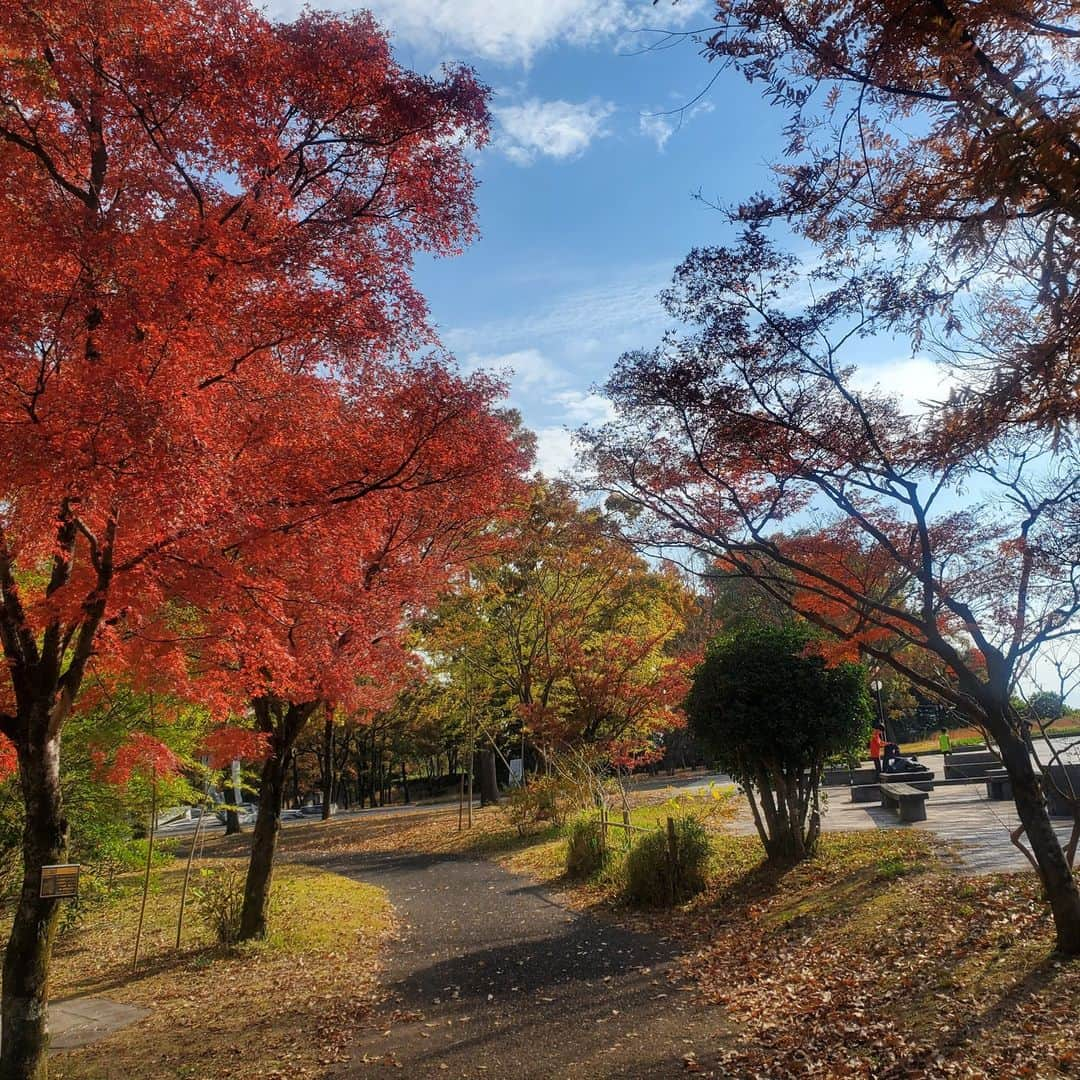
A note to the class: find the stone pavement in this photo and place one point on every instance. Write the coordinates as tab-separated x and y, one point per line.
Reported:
977	828
78	1021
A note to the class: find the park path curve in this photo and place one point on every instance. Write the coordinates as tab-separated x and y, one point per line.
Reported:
493	976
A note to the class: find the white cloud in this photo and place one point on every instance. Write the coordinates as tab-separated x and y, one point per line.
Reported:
556	129
622	311
554	451
529	368
583	407
915	381
660	124
657	127
509	31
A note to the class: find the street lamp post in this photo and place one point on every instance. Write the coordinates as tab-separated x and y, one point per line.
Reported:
876	685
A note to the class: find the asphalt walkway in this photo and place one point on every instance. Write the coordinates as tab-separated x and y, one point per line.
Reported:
493	976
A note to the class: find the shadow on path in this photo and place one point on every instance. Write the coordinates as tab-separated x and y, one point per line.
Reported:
492	976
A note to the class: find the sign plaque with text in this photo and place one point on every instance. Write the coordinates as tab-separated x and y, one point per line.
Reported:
60	882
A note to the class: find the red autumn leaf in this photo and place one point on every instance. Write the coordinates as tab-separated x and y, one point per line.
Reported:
227	744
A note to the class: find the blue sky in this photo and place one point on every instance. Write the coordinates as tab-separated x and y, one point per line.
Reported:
586	199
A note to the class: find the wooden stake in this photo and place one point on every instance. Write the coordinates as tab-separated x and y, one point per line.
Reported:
673	859
187	869
146	876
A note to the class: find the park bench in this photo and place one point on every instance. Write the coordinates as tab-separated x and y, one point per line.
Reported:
970	766
871	790
908	801
998	785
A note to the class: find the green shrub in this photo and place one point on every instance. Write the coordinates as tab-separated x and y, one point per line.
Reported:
585	853
655	876
219	898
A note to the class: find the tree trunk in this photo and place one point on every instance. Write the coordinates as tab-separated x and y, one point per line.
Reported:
1061	888
283	723
489	787
232	816
24	1042
782	819
328	766
263	847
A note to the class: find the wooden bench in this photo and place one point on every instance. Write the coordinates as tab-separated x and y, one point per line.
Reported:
909	802
863	776
998	785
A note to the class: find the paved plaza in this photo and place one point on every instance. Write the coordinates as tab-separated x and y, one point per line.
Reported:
976	827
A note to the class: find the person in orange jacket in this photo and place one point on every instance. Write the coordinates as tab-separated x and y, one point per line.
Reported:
877	743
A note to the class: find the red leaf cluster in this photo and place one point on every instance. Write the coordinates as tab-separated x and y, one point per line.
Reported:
141	754
227	743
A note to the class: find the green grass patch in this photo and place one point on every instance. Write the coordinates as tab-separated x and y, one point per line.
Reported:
280	1007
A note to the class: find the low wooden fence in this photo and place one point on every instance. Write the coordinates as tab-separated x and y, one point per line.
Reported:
606	823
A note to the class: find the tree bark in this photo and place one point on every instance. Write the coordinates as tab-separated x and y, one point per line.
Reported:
232	816
328	766
782	819
283	723
253	917
1057	878
489	787
24	1042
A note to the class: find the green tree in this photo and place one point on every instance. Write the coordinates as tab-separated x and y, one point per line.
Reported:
565	638
1046	706
771	711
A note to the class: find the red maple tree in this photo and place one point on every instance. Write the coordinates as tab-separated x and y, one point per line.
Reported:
208	220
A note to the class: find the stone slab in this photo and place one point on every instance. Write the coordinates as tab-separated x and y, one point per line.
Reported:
79	1021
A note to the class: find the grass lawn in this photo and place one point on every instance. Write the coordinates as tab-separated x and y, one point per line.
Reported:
1067	725
283	1008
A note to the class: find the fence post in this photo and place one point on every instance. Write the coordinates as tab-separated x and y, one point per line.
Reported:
626	828
603	831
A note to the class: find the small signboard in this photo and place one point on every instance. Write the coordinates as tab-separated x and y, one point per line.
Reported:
60	882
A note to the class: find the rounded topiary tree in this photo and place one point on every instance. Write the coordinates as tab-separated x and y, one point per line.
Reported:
771	711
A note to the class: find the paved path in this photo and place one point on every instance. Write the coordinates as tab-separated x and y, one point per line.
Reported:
494	977
289	818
